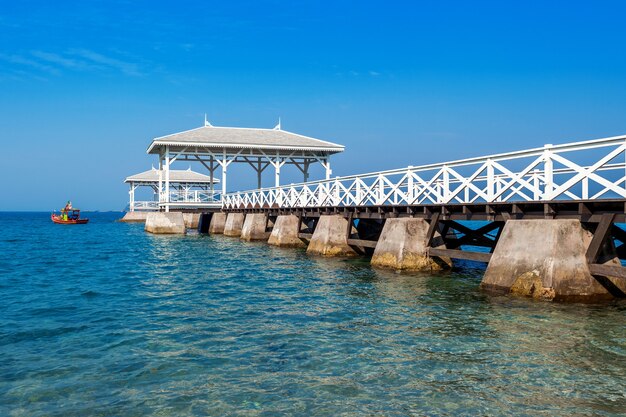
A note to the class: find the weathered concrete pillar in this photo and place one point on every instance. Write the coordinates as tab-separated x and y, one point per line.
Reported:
545	259
285	232
135	217
254	227
218	223
191	220
234	223
165	223
402	246
330	237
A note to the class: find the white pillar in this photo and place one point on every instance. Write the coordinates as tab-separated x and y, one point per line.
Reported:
167	178
277	175
328	170
224	171
132	197
211	170
160	191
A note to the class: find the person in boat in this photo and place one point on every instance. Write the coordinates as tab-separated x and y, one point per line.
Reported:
66	210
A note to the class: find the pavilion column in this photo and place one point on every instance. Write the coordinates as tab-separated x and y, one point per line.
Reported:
132	197
167	179
224	172
160	190
278	163
328	170
211	170
224	163
277	175
259	171
305	171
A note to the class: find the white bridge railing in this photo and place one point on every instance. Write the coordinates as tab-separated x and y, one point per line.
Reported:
144	206
194	196
586	170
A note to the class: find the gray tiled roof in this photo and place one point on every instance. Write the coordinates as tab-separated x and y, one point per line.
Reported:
235	137
176	175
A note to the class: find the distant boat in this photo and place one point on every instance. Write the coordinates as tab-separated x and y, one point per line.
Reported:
68	216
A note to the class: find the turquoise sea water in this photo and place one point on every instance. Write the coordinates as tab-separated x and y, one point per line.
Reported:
105	319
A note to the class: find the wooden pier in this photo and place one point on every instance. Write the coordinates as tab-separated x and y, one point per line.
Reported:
549	217
545	220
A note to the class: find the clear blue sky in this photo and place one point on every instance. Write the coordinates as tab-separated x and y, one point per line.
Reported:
84	86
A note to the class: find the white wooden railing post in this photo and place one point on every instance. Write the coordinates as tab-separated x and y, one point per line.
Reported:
446	184
536	185
548	173
409	185
490	181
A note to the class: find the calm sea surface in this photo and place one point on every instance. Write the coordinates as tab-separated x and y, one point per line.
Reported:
105	319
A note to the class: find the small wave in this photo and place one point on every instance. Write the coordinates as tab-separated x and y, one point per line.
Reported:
36	334
90	294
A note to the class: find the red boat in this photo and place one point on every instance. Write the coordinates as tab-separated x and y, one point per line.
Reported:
70	216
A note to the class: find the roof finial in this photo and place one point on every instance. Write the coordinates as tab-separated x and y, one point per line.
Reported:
206	122
277	127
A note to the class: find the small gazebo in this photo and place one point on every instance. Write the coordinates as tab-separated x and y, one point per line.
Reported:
217	147
187	189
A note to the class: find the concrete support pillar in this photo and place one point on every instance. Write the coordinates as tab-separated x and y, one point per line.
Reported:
546	259
218	223
191	220
254	227
165	223
234	223
285	232
134	217
403	246
330	237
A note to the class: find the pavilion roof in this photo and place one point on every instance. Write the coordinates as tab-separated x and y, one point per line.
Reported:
181	176
245	138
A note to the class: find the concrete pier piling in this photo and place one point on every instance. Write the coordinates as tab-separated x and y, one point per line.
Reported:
218	223
285	232
254	227
545	259
191	220
234	224
403	245
165	223
330	237
135	217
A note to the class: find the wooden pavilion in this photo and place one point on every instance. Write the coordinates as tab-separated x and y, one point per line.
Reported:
217	147
187	189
